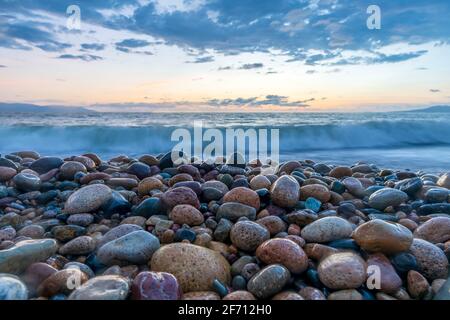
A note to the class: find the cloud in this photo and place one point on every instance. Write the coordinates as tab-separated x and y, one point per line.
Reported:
93	46
311	71
23	35
132	43
296	28
2	66
83	57
225	68
268	100
249	66
204	59
435	90
128	46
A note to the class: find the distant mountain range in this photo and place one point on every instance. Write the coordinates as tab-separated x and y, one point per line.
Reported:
436	109
30	108
24	107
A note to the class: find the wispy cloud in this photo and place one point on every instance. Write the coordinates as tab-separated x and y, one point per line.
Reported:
435	90
249	66
204	59
93	46
268	100
83	57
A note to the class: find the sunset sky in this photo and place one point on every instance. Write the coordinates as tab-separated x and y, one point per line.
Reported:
226	55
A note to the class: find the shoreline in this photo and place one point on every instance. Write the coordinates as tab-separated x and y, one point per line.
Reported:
143	228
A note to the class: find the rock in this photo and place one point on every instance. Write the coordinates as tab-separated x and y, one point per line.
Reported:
79	246
11	288
316	191
210	194
344	270
117	232
327	229
45	164
390	282
311	293
239	295
7	233
133	248
432	262
411	186
109	287
269	281
8	163
35	274
435	230
427	209
126	183
180	195
63	281
380	236
80	219
140	170
201	295
285	192
444	292
302	217
403	262
70	168
244	196
149	207
155	286
284	252
273	224
222	187
16	259
437	195
80	266
27	182
233	211
222	231
287	295
88	199
32	231
386	197
350	294
341	172
67	232
149	184
94	176
193	185
260	182
248	235
313	204
194	267
354	186
139	221
418	286
288	167
186	214
444	181
149	160
7	173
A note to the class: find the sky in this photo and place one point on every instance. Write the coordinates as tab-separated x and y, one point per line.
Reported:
226	55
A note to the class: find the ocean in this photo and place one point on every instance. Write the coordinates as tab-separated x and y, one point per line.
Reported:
397	140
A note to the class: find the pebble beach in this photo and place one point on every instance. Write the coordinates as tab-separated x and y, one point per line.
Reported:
144	228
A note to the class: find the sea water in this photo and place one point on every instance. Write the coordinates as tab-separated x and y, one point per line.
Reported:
399	140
